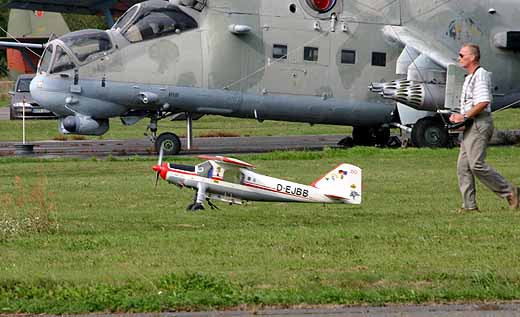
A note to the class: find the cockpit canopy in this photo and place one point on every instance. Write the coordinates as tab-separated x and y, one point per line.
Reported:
153	19
86	45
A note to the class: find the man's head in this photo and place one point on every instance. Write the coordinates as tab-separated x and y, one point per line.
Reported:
469	56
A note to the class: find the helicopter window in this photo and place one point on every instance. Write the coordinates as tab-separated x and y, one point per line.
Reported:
155	24
310	54
87	43
348	57
378	59
125	18
46	59
279	51
62	62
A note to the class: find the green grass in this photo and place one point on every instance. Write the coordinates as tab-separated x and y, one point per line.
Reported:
91	236
37	130
207	126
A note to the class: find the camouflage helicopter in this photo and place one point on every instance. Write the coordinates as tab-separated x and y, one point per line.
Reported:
293	60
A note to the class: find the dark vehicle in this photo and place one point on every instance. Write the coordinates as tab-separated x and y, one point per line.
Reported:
21	95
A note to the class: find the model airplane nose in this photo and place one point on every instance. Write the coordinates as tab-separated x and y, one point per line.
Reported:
157	168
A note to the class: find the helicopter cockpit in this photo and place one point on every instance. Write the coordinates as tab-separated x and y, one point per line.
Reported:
85	45
145	21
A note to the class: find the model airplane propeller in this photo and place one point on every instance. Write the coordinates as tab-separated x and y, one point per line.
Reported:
233	181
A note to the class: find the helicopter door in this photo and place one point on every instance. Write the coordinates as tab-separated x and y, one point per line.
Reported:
297	61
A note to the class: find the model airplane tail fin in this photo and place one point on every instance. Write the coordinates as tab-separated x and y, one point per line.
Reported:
343	183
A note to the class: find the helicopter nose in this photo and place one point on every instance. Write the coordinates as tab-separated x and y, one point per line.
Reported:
49	94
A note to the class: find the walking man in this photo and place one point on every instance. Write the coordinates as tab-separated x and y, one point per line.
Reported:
475	107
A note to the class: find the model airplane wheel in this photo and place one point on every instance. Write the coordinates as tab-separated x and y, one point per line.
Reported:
195	207
430	132
170	142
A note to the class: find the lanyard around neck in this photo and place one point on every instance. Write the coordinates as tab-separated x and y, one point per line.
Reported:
469	84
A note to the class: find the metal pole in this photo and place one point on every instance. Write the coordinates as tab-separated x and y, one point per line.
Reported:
23	121
189	127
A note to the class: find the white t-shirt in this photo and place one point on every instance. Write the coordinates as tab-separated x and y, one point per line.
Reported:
476	89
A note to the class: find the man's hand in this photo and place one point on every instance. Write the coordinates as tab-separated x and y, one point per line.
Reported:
456	118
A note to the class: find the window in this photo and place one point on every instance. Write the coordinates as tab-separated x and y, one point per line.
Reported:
310	54
348	57
23	85
62	61
279	51
46	59
155	24
378	59
87	43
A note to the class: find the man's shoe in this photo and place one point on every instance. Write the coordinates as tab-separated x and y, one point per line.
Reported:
512	199
467	210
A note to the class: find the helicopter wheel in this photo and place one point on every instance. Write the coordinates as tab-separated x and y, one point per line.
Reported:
170	142
430	132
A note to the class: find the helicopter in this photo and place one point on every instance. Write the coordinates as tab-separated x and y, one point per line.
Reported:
232	181
291	60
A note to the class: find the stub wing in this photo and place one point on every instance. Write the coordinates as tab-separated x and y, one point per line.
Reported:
342	183
435	50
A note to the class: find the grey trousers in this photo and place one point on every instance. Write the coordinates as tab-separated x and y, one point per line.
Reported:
471	163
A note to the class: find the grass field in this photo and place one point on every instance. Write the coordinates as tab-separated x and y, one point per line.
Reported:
94	235
207	126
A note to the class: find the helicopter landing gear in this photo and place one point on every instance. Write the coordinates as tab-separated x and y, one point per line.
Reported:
430	132
170	142
367	136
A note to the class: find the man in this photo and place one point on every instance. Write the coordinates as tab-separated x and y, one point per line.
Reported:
475	106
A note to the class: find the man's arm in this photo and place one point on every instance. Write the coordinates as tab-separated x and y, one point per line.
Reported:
472	113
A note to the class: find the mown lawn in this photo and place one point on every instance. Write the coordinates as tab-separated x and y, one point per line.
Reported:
95	235
37	130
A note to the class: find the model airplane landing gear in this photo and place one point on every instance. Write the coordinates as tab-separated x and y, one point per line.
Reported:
199	198
430	132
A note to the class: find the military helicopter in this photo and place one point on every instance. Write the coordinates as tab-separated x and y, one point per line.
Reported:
231	180
293	60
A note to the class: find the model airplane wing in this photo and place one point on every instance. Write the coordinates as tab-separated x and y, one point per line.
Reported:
227	161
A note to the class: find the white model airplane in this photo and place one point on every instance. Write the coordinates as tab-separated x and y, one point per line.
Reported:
231	180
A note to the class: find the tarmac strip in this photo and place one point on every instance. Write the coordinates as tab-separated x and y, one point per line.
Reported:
508	309
221	145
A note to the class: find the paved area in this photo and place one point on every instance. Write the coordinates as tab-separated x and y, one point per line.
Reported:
458	310
4	113
200	146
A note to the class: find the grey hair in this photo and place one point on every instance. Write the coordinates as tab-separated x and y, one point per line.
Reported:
475	50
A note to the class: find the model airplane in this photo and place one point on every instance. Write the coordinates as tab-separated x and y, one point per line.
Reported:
292	60
232	181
